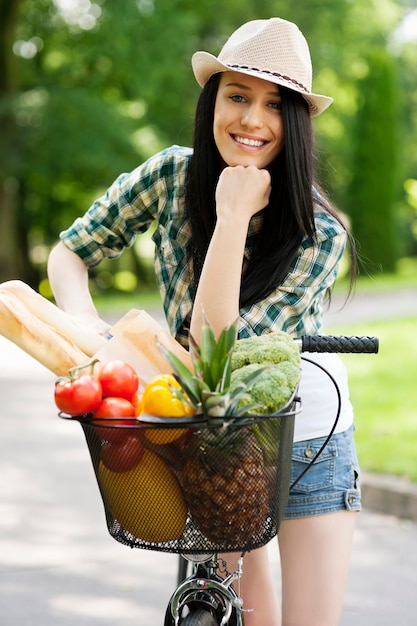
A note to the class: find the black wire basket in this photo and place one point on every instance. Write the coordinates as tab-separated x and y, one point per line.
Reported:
193	485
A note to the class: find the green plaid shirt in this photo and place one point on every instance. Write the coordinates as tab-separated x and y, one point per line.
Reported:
155	191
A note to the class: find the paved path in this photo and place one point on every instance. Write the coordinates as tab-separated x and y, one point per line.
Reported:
371	307
58	565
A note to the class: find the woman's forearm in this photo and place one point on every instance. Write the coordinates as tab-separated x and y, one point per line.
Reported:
68	277
217	297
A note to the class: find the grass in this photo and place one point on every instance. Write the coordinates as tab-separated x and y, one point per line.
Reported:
121	303
405	277
384	396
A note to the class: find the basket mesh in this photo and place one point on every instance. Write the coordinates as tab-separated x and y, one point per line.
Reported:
209	487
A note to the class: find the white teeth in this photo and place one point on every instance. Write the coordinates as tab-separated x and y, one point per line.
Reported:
249	142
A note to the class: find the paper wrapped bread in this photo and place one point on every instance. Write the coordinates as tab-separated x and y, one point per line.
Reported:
54	339
135	340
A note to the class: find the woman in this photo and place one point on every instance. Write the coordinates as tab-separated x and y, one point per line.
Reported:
243	231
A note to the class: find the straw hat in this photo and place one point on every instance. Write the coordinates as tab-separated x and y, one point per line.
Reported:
272	49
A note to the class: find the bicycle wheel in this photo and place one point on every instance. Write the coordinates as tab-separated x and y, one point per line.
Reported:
199	618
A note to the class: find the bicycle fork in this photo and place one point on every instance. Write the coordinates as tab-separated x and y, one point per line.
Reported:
207	590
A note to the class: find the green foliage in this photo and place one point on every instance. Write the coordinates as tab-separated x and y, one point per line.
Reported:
374	181
93	90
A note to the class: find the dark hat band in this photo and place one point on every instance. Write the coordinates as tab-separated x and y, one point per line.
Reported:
270	73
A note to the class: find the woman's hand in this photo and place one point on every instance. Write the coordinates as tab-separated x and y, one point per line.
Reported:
242	191
94	323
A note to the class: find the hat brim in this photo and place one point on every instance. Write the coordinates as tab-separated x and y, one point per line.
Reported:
206	65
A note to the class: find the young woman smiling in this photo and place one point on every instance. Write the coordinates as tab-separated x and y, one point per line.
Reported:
243	231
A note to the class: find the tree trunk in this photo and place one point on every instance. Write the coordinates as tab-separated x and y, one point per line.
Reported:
11	257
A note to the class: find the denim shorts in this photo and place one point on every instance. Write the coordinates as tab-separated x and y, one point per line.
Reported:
331	484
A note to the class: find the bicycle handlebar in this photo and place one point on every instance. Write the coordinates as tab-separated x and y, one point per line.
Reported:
340	343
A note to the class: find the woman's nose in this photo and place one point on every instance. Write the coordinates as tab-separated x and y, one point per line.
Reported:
252	117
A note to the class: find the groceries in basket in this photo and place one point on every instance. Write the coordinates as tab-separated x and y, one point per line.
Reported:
179	483
199	469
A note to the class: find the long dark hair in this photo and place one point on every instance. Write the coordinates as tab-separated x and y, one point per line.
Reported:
289	216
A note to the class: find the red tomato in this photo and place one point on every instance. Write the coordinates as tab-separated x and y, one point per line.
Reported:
116	413
118	379
115	407
123	456
78	396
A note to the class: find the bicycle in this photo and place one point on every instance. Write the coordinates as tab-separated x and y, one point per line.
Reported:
204	597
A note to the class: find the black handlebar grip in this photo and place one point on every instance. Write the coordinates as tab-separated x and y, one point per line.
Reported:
330	343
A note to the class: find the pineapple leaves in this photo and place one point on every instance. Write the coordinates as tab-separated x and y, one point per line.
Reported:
212	358
209	384
189	383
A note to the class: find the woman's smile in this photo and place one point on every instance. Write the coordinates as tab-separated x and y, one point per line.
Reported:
247	141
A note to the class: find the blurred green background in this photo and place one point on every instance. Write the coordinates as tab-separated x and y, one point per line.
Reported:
90	88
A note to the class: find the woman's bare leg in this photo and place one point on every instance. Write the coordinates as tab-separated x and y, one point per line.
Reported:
315	554
257	588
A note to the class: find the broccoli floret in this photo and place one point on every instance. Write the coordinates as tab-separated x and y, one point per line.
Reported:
273	347
292	373
279	355
272	390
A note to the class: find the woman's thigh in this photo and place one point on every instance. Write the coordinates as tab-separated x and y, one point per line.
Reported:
315	537
315	553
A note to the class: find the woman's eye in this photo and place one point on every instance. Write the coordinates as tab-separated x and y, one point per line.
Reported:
237	98
276	105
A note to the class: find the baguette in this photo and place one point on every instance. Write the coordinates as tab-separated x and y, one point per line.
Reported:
45	311
44	343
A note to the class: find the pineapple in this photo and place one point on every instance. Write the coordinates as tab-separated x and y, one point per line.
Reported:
223	475
225	486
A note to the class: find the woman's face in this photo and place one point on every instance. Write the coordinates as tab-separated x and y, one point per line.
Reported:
248	127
